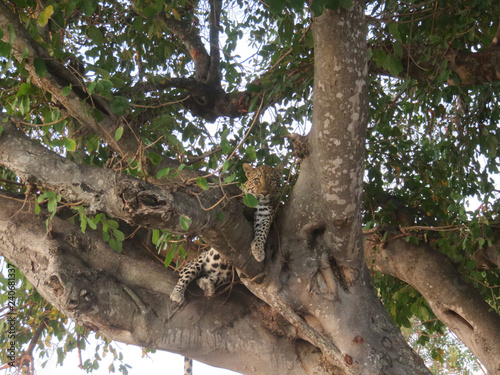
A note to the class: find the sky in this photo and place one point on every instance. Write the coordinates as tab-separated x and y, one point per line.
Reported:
159	363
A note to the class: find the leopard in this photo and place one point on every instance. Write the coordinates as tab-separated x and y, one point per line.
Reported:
188	366
264	183
211	269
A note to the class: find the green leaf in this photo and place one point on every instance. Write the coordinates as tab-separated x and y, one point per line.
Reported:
40	67
52	205
154	157
25	53
44	16
115	245
113	224
185	222
155	236
66	90
118	105
170	256
5	49
394	66
12	33
92	223
118	133
230	178
379	57
25	89
1	129
96	35
163	173
202	182
423	313
252	87
317	7
251	153
70	144
88	7
394	30
276	6
226	146
83	224
250	200
119	235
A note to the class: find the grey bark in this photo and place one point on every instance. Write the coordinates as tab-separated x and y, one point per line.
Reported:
126	298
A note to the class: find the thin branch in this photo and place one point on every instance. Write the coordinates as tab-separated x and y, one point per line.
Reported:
213	77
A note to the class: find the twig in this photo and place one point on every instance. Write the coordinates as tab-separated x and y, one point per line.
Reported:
212	207
239	144
160	105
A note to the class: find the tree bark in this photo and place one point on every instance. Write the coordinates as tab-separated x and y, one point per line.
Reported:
126	298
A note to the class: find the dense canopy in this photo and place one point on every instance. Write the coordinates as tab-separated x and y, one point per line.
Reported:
124	128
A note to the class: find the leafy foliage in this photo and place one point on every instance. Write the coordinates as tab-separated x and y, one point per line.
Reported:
432	145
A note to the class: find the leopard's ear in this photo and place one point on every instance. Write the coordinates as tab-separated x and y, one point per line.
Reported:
248	169
280	167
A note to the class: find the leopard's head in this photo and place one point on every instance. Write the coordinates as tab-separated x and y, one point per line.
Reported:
263	181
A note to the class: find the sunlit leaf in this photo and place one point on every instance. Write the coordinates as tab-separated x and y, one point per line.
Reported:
250	200
185	222
203	183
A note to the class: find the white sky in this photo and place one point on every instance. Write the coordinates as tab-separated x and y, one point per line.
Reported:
159	363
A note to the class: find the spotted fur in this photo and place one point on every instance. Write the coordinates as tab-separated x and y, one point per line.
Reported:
210	269
264	183
188	366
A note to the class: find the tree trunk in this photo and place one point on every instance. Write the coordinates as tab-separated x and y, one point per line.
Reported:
317	278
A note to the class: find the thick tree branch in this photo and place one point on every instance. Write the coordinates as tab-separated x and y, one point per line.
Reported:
205	100
457	304
136	202
125	298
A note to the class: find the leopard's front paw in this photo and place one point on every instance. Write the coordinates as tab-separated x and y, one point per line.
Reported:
206	285
258	251
177	296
